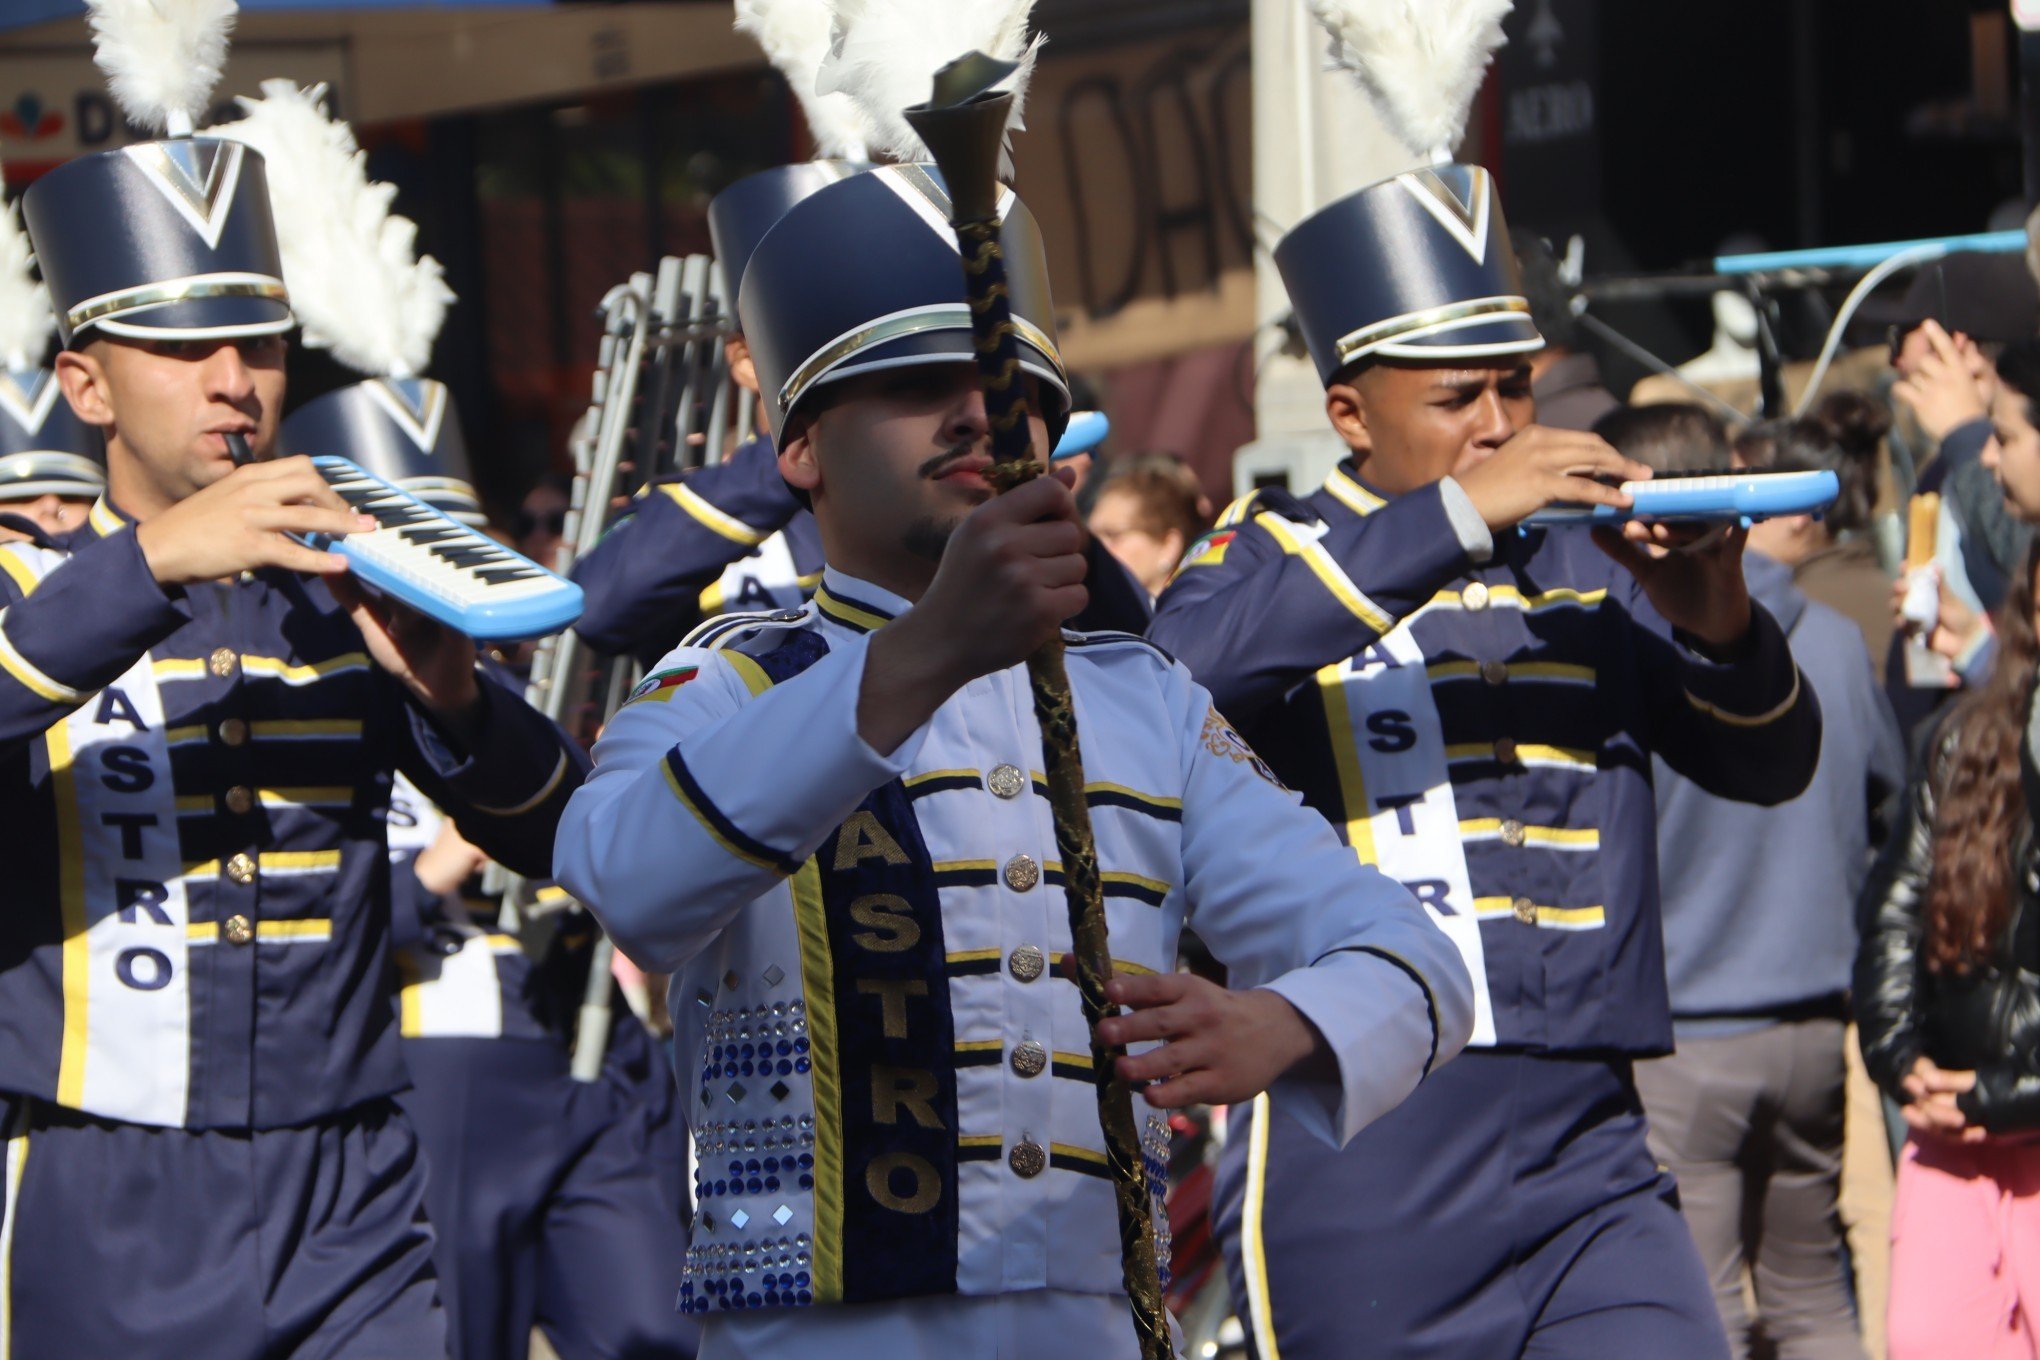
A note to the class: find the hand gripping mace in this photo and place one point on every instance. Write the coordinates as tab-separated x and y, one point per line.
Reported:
964	127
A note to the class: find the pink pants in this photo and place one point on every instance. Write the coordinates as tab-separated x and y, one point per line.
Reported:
1965	1252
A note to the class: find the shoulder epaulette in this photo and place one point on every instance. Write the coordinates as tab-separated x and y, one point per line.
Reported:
1277	500
726	630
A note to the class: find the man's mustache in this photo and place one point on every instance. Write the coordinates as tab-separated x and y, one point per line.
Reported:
934	466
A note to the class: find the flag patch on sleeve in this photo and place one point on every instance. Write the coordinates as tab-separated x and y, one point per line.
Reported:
660	685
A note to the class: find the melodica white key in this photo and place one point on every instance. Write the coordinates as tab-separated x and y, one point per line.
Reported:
442	568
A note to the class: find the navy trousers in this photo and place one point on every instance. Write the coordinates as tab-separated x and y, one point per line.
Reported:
553	1199
305	1243
1509	1208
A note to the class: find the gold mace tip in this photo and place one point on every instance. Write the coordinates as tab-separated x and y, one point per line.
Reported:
964	127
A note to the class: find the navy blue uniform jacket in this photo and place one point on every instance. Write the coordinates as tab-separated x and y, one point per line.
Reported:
1554	681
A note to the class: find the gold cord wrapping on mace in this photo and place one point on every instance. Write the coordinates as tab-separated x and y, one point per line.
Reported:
964	127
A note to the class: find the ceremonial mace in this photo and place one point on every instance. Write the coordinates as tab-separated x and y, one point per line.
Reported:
963	125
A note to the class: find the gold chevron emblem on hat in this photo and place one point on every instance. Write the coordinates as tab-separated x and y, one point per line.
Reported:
1465	219
28	407
197	176
420	419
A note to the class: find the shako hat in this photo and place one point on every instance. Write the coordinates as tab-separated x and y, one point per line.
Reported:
863	275
168	239
367	300
44	448
740	215
403	430
1417	267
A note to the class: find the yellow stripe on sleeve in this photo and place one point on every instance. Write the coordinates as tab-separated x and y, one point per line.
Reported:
729	526
18	571
545	791
1329	573
1763	719
30	677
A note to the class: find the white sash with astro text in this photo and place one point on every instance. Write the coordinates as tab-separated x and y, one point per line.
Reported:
127	993
456	995
1409	824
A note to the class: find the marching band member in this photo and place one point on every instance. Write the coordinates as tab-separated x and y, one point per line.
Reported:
541	1189
823	822
557	1203
1474	707
731	536
203	718
52	464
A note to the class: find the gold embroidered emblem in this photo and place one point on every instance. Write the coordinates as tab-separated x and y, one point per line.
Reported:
1221	740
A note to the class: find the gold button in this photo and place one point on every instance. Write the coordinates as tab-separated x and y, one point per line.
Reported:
1494	672
233	732
1006	781
1027	1160
1505	751
1512	831
1026	963
1524	910
240	798
1022	873
238	929
1475	596
241	869
1029	1059
223	662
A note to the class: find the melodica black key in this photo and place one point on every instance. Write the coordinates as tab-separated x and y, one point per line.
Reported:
442	568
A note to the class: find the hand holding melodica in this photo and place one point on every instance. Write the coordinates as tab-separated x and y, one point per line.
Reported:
1012	573
435	663
1220	1046
1692	574
243	521
1541	467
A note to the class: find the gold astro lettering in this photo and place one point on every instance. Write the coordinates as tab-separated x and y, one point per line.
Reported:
880	1171
862	838
910	1088
892	994
890	914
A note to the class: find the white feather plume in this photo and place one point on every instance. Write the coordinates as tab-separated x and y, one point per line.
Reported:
885	54
355	280
1421	61
796	35
26	322
162	57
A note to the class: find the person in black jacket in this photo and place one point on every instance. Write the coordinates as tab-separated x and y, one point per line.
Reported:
1947	985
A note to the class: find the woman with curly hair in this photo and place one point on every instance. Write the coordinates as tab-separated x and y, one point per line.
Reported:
1948	981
